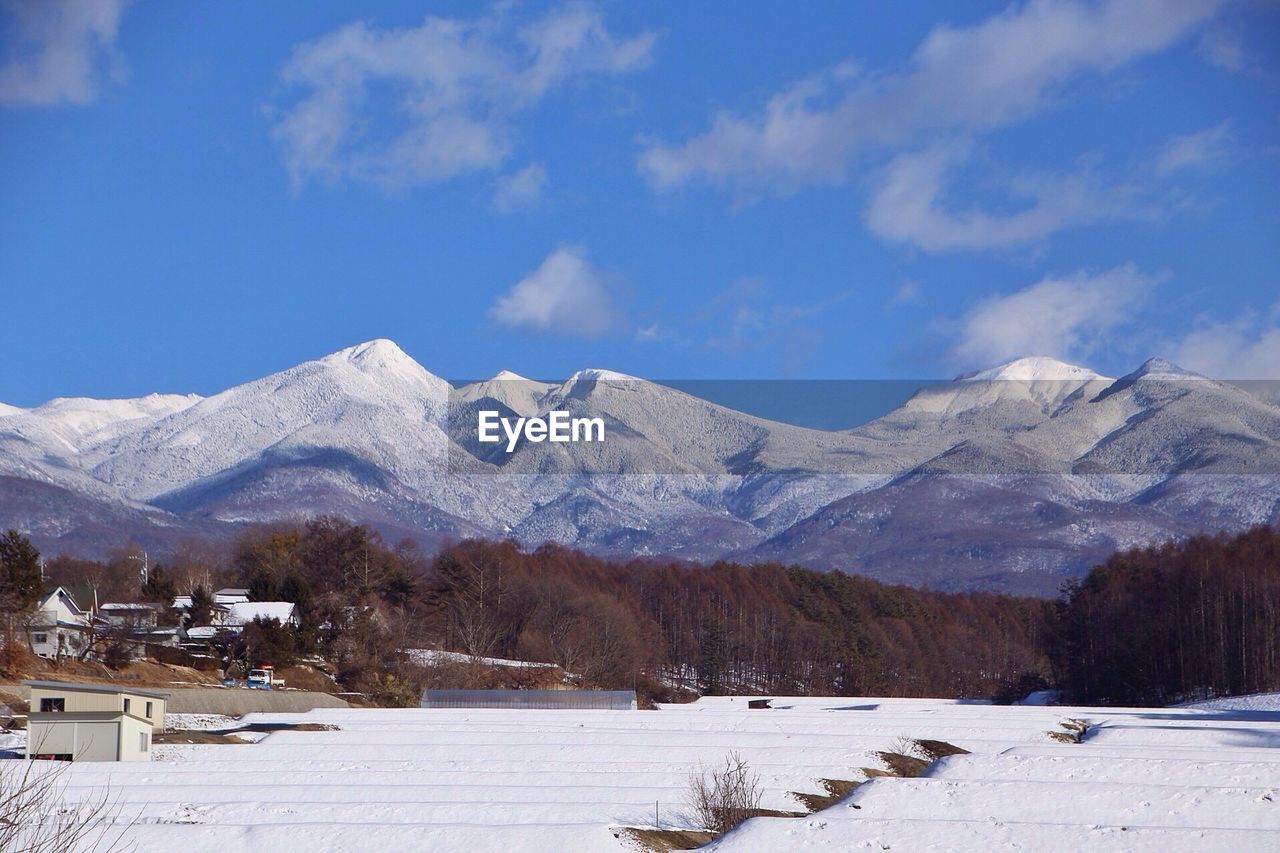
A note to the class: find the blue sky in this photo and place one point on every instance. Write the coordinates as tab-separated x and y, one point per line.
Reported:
198	194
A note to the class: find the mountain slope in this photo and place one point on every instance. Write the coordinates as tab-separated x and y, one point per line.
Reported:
1014	477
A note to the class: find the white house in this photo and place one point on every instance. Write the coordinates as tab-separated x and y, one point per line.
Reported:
92	722
245	612
217	612
136	626
231	622
58	628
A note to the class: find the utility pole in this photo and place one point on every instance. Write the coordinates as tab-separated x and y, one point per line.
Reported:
142	572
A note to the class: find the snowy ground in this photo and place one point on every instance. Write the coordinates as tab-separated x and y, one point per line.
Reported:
428	657
1149	779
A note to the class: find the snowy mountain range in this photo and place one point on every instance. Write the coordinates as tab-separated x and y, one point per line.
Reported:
1012	478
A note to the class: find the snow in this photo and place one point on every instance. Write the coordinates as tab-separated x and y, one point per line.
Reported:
244	612
1035	369
461	780
369	434
1255	702
201	722
428	657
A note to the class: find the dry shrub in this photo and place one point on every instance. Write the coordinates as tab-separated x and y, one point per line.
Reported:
904	766
836	789
723	797
36	818
932	750
1073	731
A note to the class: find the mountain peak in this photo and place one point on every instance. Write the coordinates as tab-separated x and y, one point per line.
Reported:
378	349
507	376
1036	368
597	374
1162	368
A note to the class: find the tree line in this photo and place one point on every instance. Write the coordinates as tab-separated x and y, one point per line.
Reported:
1149	626
1175	622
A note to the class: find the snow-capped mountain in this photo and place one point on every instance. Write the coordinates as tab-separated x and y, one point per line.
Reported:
1011	478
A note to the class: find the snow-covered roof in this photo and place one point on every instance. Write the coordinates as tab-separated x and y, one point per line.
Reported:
245	612
118	605
182	602
230	596
204	632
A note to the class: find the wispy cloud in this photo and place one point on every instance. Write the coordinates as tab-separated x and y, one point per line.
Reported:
1067	317
410	105
520	189
1223	48
969	79
1247	347
565	296
59	51
909	204
1194	150
960	84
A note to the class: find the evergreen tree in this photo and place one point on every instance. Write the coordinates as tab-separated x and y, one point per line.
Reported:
711	657
20	582
201	611
159	587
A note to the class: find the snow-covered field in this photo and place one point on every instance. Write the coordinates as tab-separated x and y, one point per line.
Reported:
1147	779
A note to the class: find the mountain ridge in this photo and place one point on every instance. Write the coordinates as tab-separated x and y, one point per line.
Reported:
1067	462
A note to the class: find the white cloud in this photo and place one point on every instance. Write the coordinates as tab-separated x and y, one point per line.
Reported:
1245	348
411	105
62	51
651	333
908	205
1066	318
907	293
1194	150
520	189
565	295
960	82
1223	48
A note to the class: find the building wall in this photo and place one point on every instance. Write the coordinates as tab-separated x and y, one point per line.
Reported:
135	740
72	641
86	737
85	700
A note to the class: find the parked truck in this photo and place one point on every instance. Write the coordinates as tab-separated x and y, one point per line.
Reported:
264	678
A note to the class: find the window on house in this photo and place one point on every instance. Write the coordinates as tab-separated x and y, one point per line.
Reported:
148	710
144	741
52	704
126	704
41	638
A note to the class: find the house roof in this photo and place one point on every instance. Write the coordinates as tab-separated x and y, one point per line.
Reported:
56	592
113	605
245	612
208	632
91	687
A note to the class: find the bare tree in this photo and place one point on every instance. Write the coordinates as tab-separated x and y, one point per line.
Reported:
724	796
35	816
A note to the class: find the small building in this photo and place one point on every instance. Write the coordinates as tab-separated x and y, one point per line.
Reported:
92	722
594	700
134	616
58	628
230	596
